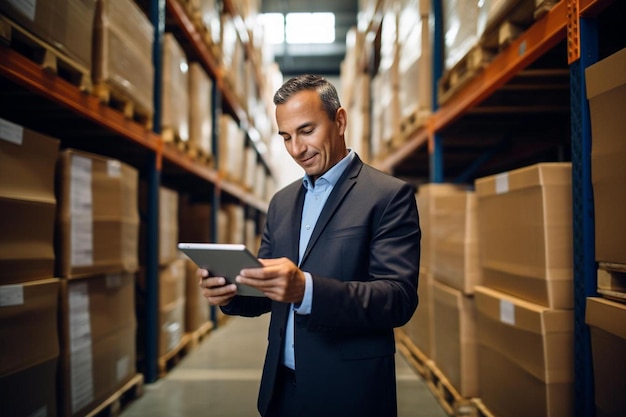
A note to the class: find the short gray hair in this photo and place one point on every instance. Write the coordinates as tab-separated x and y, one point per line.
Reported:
327	92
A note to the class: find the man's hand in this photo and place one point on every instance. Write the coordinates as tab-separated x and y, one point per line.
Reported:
214	288
279	279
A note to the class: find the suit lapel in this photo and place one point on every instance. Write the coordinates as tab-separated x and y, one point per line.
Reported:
336	197
295	228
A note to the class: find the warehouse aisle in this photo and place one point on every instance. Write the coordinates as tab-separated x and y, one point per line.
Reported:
221	379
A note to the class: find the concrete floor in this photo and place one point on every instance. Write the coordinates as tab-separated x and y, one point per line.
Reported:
221	378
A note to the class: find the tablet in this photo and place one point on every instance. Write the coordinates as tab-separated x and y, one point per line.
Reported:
223	260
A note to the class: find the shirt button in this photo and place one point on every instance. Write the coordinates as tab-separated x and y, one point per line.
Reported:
307	227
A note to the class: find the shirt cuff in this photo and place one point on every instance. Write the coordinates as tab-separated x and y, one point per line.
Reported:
305	306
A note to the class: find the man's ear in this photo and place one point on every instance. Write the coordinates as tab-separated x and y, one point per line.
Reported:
341	120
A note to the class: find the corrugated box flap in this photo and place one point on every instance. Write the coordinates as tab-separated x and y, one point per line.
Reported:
545	174
606	74
606	315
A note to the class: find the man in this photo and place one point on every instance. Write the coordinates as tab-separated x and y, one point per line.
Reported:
340	254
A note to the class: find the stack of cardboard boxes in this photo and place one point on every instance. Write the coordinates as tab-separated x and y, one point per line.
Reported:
29	295
606	315
525	319
456	272
97	257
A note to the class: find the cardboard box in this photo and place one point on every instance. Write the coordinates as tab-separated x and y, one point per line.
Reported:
455	338
171	326
172	281
168	225
98	335
28	324
175	90
420	329
525	229
200	109
196	306
525	356
425	202
31	391
607	324
27	203
454	239
606	91
194	220
65	24
29	348
122	52
172	278
98	217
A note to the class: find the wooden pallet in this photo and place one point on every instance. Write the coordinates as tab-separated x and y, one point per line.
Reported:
612	281
200	155
472	408
543	6
514	20
463	71
49	58
414	121
174	356
114	405
197	336
446	394
119	100
414	356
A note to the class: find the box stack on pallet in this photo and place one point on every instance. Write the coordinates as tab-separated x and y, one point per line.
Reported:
73	246
414	67
57	33
495	325
386	76
606	315
475	32
525	304
441	337
29	293
122	66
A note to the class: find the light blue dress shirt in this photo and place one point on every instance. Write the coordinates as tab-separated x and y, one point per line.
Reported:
314	200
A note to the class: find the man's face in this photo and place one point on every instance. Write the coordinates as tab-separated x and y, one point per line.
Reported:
314	141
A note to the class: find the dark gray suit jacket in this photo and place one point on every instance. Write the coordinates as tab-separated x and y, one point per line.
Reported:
364	258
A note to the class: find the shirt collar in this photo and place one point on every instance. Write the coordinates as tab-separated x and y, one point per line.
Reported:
332	175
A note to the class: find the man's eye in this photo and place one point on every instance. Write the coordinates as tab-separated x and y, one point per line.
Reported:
308	131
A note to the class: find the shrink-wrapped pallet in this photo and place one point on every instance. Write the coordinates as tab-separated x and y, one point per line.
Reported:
460	26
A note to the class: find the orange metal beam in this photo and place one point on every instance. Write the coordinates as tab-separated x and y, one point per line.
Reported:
22	71
539	38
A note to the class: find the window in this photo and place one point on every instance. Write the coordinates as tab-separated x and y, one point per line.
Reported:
299	28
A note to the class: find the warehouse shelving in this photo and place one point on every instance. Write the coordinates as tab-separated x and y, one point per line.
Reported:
38	99
569	30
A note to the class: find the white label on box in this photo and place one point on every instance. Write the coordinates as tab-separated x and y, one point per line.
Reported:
26	7
507	312
122	368
502	183
174	333
81	207
11	295
114	168
81	358
11	132
113	281
42	412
